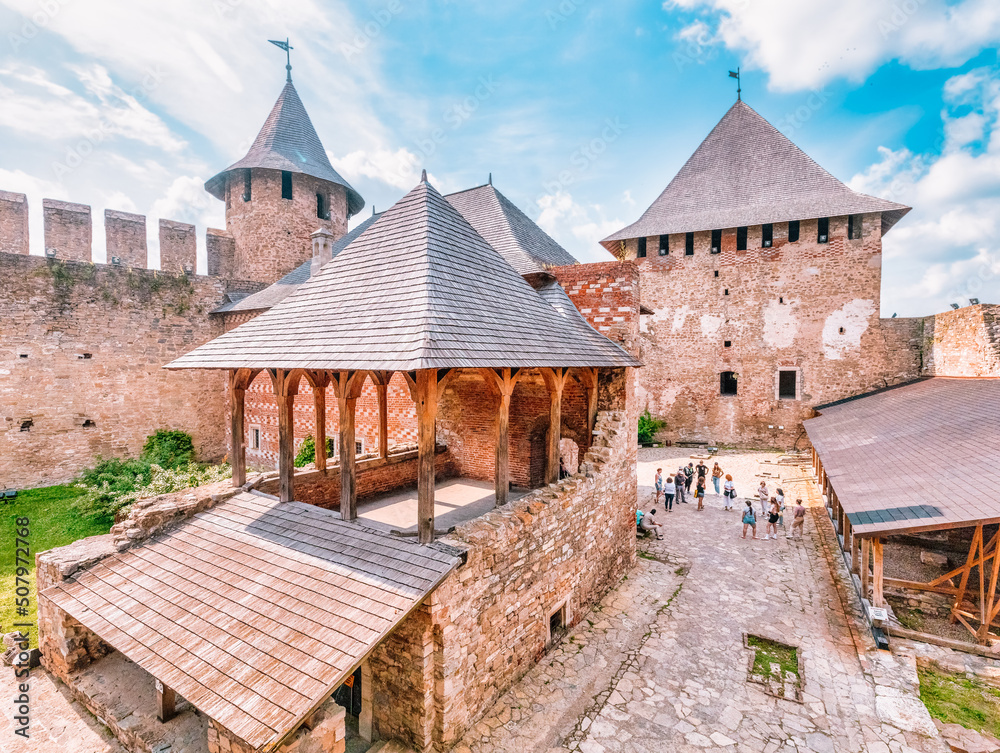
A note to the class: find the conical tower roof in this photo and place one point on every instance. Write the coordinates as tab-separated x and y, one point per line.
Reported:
288	141
746	172
418	289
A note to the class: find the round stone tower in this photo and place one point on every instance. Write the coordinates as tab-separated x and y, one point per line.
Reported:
282	191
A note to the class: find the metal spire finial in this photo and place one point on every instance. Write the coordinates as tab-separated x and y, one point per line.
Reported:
288	56
491	179
423	176
736	74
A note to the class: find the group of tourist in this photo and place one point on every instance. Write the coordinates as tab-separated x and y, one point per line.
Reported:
677	487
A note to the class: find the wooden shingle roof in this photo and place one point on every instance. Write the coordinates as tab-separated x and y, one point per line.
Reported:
918	457
254	611
288	141
418	289
746	172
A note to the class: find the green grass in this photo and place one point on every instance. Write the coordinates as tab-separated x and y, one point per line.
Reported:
53	522
768	652
955	699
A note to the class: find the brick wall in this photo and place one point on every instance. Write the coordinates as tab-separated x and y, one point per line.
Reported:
805	307
964	342
178	247
272	233
13	223
67	230
607	294
81	359
126	238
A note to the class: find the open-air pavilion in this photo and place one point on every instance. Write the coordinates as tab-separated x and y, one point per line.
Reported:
917	458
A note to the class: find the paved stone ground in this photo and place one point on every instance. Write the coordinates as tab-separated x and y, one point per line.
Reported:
679	682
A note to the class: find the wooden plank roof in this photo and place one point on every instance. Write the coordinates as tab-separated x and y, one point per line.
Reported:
746	172
923	456
419	289
254	610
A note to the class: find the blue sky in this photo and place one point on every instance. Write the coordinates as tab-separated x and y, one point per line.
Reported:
582	110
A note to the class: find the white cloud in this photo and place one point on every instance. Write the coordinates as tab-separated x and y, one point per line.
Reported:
399	169
804	45
947	249
578	227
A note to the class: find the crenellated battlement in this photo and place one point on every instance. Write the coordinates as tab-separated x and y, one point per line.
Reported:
69	236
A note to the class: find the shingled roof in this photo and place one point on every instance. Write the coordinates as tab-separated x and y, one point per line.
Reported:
288	141
525	246
746	172
419	289
280	290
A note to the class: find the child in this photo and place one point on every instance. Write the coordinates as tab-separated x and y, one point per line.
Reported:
772	520
749	519
658	483
699	492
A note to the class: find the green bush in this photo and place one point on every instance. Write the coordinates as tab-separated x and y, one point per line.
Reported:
168	449
649	426
307	451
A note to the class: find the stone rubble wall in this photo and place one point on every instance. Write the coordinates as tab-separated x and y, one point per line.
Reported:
963	342
324	732
565	544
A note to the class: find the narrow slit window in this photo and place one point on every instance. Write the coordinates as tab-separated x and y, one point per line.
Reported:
286	184
246	186
254	438
664	245
725	292
89	424
716	241
689	244
727	383
716	273
787	385
359	447
793	231
854	227
766	235
741	239
823	230
321	211
641	252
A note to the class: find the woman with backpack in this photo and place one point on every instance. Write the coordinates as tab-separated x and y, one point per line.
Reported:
749	519
730	493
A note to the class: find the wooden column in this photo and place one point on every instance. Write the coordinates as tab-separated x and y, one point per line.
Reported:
348	391
383	419
878	598
501	383
166	702
987	609
976	545
319	383
426	398
855	554
848	532
237	406
286	385
555	379
588	378
866	548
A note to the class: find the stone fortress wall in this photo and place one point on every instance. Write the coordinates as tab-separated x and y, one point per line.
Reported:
82	344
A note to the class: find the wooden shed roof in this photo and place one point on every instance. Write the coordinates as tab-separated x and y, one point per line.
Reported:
419	289
255	610
918	457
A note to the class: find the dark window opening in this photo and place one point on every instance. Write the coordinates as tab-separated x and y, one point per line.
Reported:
246	186
727	383
726	292
854	227
86	356
359	447
781	300
823	230
689	244
664	245
24	355
728	344
557	624
26	424
766	235
716	273
793	231
841	330
641	252
786	385
89	424
286	184
321	209
741	239
716	241
255	439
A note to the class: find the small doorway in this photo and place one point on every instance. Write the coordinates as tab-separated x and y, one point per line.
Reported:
348	695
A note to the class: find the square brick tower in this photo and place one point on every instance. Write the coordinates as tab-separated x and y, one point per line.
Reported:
282	191
762	273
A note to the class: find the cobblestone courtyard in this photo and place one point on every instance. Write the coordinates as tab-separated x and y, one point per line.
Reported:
660	665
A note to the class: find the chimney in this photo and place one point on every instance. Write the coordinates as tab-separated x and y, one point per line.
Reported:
322	250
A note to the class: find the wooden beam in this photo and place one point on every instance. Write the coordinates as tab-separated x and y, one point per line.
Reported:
878	596
991	595
166	702
383	420
319	384
587	377
348	391
918	586
555	379
237	407
501	383
855	554
848	534
286	386
426	392
977	541
866	548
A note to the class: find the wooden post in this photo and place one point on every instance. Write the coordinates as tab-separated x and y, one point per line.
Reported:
237	407
866	545
878	597
501	383
286	385
166	702
977	541
588	378
855	554
348	391
848	532
319	383
555	379
383	419
988	604
426	383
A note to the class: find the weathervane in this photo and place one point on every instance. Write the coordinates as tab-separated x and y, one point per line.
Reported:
732	74
288	55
